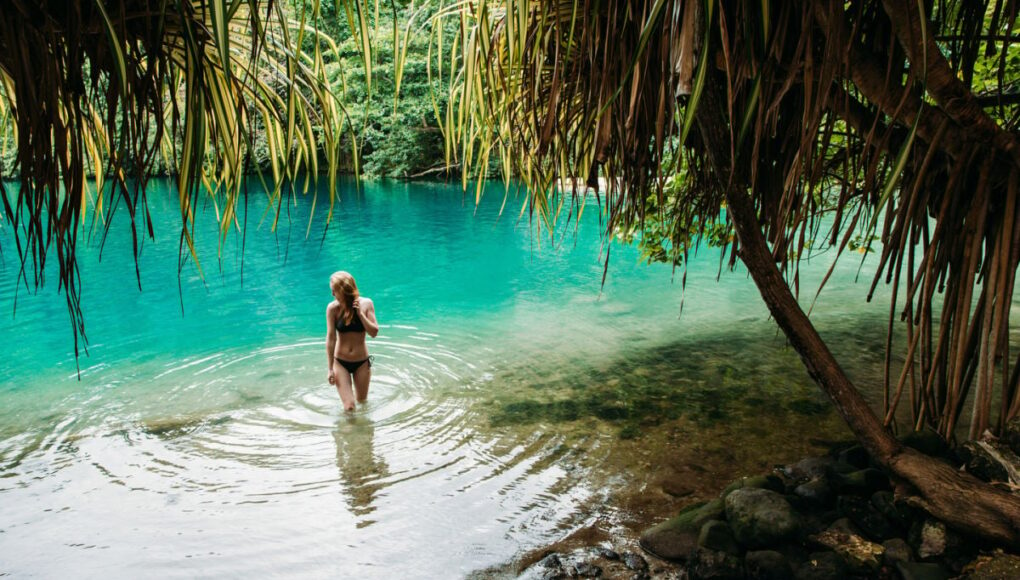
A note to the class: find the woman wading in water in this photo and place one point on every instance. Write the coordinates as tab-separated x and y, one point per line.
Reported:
348	319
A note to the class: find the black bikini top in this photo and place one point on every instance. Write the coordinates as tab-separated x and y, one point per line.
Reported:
354	326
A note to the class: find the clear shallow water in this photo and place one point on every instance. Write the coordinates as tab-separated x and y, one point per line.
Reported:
203	440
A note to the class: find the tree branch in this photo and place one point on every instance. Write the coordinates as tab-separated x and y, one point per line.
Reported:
941	82
869	76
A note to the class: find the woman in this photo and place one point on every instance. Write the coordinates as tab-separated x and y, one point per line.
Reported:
348	319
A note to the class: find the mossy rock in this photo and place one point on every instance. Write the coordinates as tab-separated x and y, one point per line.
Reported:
769	482
676	538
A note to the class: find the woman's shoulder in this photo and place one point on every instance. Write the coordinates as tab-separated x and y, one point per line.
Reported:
332	306
365	300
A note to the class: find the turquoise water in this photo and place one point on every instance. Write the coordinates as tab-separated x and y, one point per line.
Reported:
202	439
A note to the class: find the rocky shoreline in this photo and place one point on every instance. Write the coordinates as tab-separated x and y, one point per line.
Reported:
822	518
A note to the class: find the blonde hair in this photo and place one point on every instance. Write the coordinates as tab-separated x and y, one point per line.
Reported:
348	288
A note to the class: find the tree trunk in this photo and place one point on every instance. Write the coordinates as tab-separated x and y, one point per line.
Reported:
958	499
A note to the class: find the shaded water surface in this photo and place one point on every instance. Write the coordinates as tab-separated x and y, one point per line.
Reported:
515	401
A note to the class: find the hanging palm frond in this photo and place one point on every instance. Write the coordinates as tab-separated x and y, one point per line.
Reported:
844	122
102	94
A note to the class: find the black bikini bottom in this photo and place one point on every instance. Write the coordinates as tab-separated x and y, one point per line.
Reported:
354	365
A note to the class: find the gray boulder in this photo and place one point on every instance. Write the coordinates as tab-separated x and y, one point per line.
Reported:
761	518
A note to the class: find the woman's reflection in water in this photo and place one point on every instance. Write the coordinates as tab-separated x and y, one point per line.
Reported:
362	471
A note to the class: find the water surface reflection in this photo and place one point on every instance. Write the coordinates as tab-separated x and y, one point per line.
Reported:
363	472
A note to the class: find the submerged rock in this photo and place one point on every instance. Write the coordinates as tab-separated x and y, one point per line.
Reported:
586	570
676	538
607	553
635	562
551	561
767	565
171	427
760	517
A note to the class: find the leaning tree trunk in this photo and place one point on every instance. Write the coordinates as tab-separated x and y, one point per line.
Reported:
958	499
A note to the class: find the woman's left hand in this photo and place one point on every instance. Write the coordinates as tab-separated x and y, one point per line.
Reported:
356	304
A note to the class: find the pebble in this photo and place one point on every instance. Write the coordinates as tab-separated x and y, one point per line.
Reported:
635	562
587	570
551	561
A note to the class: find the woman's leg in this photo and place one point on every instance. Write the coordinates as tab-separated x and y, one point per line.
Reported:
362	377
343	386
